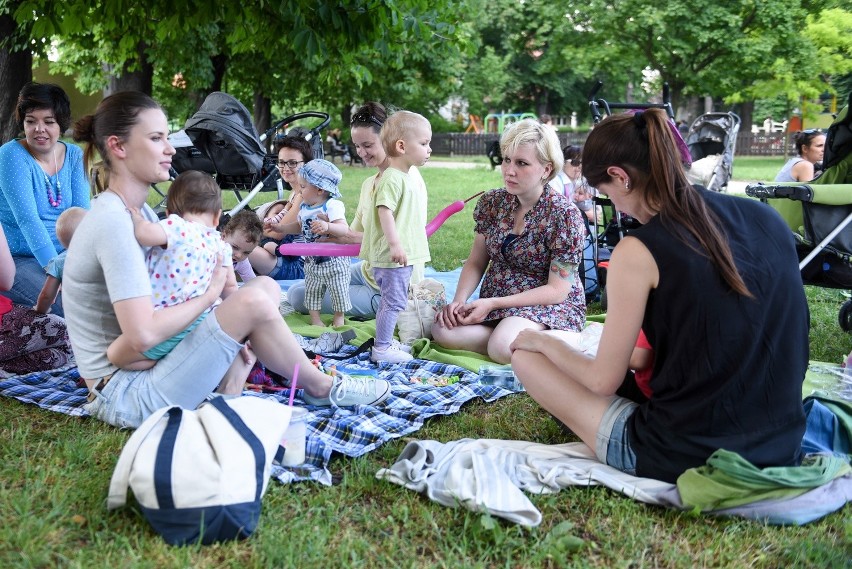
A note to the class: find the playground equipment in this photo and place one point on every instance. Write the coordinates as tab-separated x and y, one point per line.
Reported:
495	123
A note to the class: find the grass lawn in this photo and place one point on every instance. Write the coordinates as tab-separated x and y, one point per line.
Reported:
55	471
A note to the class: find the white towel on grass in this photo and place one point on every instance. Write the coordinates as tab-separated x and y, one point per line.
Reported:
490	475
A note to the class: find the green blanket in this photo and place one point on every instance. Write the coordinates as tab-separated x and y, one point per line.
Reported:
422	349
728	480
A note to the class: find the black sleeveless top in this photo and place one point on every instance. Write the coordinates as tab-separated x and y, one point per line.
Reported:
728	370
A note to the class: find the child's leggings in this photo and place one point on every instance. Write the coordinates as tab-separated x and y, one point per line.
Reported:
394	286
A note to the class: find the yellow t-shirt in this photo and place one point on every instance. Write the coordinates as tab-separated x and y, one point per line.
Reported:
397	191
419	272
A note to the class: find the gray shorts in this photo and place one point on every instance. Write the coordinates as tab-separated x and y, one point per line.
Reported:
184	377
612	444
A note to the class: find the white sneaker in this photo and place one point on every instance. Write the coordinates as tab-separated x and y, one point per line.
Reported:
400	346
284	307
391	355
347	391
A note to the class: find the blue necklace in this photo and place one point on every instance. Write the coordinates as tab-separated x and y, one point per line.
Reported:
55	201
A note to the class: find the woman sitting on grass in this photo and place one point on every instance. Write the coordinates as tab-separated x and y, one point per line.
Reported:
713	282
109	294
528	245
293	153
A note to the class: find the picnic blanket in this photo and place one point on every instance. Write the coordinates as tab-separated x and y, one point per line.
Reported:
491	476
351	431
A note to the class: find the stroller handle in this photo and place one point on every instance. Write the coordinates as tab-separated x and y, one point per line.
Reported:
596	104
803	193
326	119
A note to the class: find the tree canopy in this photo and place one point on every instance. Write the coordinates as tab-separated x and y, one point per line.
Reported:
497	55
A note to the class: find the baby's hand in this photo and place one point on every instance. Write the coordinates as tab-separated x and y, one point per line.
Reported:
271	222
319	227
398	255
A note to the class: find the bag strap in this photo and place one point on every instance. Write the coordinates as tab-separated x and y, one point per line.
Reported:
413	294
164	459
249	437
121	475
366	346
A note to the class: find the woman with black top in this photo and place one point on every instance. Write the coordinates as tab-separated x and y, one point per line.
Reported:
713	282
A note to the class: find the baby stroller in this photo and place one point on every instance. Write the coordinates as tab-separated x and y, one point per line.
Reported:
615	224
220	139
712	140
819	213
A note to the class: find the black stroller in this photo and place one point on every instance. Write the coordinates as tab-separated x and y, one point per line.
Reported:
712	140
220	139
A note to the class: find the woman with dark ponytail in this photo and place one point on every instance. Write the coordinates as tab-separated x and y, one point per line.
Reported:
713	282
109	293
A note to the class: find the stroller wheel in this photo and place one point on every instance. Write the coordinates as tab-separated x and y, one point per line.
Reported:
845	316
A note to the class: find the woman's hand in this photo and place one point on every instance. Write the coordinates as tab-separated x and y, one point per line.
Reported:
477	311
218	279
449	316
248	355
528	340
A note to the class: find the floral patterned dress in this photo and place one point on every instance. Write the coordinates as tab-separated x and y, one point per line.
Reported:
554	230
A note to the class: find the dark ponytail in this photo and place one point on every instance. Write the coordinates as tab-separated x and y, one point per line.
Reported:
643	145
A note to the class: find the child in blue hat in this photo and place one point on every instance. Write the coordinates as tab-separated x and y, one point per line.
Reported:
319	180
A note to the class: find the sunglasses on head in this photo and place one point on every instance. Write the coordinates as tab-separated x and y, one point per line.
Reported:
364	118
812	131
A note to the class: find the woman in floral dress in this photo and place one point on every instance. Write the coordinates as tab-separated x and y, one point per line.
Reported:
528	245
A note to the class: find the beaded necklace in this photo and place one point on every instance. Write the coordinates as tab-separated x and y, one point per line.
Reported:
54	201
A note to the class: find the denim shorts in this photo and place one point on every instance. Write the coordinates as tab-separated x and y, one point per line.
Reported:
612	445
184	377
287	268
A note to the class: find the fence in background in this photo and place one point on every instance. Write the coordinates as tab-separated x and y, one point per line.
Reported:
460	144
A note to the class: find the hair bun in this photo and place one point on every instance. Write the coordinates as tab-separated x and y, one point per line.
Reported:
84	129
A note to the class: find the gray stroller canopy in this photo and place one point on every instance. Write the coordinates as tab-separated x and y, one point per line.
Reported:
222	130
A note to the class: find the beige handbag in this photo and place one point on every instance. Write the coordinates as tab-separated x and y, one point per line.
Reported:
425	300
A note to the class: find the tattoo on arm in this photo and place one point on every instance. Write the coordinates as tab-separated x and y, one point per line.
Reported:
563	269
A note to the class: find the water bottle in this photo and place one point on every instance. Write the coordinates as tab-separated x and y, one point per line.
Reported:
501	376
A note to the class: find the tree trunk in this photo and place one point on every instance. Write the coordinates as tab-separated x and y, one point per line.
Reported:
262	112
746	114
16	70
140	79
220	65
346	115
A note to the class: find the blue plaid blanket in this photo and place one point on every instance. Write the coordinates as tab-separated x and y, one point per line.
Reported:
54	390
351	431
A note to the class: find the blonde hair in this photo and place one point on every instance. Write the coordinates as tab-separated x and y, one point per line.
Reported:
396	127
539	136
66	224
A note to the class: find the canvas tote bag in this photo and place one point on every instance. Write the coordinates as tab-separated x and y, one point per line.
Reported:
199	476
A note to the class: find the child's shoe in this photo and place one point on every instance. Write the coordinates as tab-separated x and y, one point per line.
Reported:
392	355
400	346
